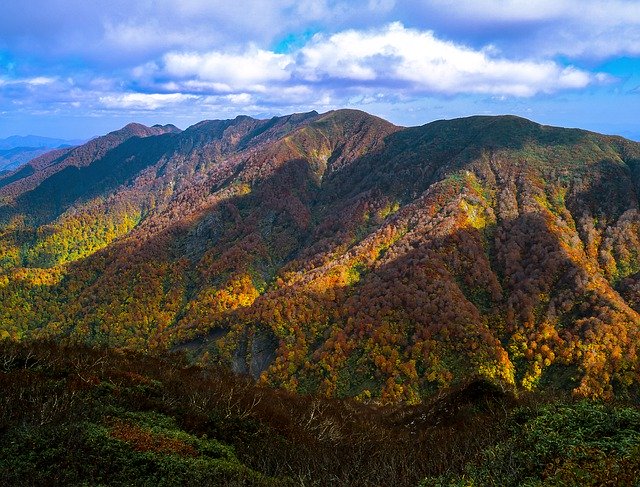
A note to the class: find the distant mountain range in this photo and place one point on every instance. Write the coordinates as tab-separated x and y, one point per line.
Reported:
339	253
18	150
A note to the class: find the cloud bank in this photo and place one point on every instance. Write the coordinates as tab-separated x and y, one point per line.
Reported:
394	60
588	29
204	58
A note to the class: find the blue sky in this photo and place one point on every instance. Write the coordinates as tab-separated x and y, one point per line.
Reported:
77	68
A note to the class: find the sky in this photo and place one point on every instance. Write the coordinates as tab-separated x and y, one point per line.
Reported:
79	68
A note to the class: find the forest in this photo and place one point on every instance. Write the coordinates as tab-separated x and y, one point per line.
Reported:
337	254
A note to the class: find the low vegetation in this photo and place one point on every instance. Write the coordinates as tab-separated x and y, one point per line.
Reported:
91	416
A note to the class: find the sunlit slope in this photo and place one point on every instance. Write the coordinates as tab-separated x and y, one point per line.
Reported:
339	253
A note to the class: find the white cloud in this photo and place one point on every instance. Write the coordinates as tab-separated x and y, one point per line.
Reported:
503	10
251	69
121	32
40	80
584	28
240	98
403	61
397	54
387	65
143	37
143	101
35	81
607	12
209	58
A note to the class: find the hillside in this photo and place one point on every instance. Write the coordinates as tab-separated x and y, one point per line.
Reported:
91	416
337	253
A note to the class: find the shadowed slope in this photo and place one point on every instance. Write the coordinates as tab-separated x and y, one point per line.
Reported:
342	254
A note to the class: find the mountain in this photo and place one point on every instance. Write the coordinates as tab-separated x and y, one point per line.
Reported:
35	141
13	158
18	150
338	253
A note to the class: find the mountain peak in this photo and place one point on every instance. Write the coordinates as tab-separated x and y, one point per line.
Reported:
135	129
169	127
351	115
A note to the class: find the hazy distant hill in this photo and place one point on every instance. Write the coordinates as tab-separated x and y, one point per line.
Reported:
35	141
13	158
18	150
337	252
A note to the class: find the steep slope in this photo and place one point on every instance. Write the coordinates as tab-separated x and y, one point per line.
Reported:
51	163
339	253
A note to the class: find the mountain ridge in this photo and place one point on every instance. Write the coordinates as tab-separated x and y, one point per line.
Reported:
339	253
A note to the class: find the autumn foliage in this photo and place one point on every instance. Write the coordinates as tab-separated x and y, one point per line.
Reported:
339	254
